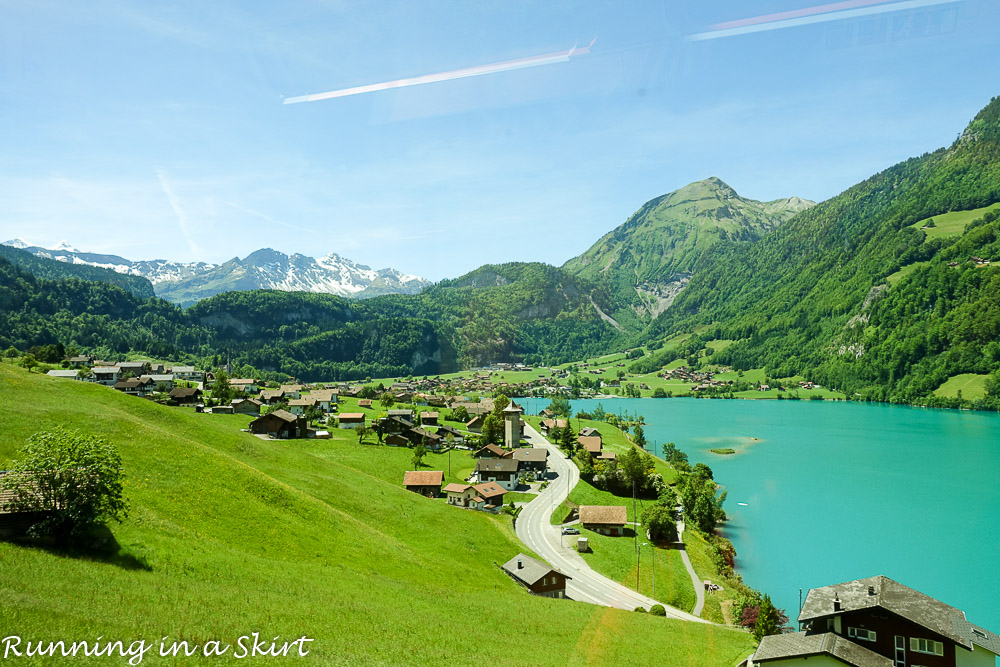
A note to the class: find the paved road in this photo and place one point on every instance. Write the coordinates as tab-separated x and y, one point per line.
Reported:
699	586
534	529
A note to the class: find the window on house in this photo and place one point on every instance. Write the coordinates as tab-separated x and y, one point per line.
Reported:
861	633
831	624
928	646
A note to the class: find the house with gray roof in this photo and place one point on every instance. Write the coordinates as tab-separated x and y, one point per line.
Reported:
502	471
879	622
536	576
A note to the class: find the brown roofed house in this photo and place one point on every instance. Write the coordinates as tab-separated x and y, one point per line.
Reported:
491	451
604	519
425	482
591	443
280	424
460	495
489	496
185	395
351	419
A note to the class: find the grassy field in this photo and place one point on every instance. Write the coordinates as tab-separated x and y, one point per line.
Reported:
894	278
614	557
970	384
230	534
952	224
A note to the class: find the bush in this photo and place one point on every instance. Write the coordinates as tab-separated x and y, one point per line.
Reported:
641	610
76	479
657	610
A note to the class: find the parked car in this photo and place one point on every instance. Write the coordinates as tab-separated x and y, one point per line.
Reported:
570	531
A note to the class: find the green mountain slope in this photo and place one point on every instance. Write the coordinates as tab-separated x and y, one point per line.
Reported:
814	297
649	259
230	535
508	312
51	269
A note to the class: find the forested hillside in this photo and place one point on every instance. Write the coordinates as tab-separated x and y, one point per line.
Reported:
815	296
496	313
54	270
648	260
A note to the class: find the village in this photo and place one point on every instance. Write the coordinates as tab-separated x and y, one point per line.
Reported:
501	461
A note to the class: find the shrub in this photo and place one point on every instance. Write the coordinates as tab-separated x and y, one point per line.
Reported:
657	610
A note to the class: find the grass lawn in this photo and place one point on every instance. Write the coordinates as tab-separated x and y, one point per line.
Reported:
905	271
614	557
970	384
717	603
230	534
952	224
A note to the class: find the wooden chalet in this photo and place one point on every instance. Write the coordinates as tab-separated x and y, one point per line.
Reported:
879	622
536	576
604	519
592	444
425	482
475	424
491	451
185	395
246	406
15	522
428	418
350	419
280	424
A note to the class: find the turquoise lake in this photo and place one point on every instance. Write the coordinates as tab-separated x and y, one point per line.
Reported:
837	491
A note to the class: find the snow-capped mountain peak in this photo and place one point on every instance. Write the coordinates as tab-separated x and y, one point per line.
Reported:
186	283
65	247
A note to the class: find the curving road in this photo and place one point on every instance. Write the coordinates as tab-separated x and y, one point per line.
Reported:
534	529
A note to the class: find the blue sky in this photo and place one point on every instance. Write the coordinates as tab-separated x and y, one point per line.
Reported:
158	130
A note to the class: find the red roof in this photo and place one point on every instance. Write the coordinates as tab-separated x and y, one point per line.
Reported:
423	478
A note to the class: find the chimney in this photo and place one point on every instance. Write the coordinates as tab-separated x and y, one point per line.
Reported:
836	601
519	565
871	590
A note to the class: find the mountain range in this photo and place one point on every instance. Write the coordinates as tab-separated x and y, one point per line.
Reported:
186	283
886	292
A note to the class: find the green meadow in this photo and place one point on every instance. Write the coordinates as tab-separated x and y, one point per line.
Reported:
952	224
230	534
970	384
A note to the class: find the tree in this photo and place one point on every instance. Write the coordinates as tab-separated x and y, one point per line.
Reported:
419	451
769	619
460	414
221	389
500	404
660	520
77	479
633	469
313	413
559	406
638	437
567	440
659	392
84	373
493	429
363	432
387	400
29	361
367	391
11	352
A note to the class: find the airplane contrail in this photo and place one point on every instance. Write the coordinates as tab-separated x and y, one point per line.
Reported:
478	70
819	14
